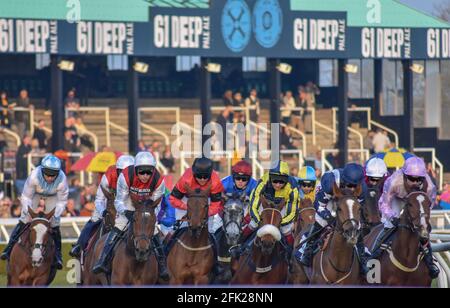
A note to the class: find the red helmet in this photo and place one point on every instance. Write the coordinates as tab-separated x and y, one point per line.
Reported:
243	168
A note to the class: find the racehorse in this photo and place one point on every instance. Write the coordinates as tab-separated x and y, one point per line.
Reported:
337	261
32	258
371	215
401	261
266	263
305	219
88	256
191	259
229	235
134	262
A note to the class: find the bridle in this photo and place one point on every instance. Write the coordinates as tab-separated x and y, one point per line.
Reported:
42	247
233	210
142	236
410	219
205	218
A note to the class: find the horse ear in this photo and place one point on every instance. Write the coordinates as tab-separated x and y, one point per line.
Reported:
32	213
281	204
188	189
50	215
337	191
264	201
358	191
243	197
425	185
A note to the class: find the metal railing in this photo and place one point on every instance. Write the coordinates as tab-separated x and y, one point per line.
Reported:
434	161
30	111
298	132
326	165
314	122
192	154
174	110
12	134
87	131
391	131
156	131
48	130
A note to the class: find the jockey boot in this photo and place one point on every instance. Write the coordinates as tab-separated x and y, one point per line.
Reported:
103	263
363	257
13	240
83	240
308	246
56	235
158	247
377	248
429	260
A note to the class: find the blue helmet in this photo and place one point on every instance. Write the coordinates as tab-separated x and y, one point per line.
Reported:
51	165
307	174
353	174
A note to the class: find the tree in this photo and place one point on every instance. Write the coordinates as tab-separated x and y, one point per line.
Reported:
442	10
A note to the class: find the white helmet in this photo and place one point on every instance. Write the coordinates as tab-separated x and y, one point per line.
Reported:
376	168
124	161
144	159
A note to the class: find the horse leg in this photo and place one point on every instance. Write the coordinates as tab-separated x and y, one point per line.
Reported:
201	280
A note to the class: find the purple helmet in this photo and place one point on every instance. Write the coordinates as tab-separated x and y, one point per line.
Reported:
415	166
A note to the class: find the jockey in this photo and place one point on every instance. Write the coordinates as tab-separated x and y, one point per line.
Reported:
46	186
376	173
200	176
140	181
275	185
240	181
413	174
109	183
307	183
348	178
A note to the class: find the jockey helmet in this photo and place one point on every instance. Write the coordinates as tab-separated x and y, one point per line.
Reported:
307	174
353	174
51	165
280	171
144	161
202	167
376	168
415	167
242	168
124	161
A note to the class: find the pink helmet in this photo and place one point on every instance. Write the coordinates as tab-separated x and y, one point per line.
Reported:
415	166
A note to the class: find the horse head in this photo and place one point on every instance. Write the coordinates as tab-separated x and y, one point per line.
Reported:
415	215
40	229
111	212
197	209
143	227
307	211
269	232
233	214
347	209
370	211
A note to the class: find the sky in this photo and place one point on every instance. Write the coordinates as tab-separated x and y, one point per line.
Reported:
423	5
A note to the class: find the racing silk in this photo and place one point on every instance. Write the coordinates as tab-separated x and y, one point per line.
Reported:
178	196
109	183
394	191
54	194
129	185
231	189
166	215
289	193
324	192
311	196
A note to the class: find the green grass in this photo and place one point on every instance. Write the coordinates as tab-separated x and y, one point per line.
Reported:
60	279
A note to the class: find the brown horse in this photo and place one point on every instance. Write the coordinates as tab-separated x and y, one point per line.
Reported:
371	215
305	219
265	264
191	259
337	261
31	262
88	257
134	262
401	262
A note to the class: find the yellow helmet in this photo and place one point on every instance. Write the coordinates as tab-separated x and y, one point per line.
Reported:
281	171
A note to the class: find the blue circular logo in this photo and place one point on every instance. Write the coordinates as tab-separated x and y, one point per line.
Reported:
236	25
267	22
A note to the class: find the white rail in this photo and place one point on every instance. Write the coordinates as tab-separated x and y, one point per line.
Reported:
48	130
157	131
326	165
87	131
391	131
314	123
192	154
30	111
298	132
12	134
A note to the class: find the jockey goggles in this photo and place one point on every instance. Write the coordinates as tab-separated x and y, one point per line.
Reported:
144	170
242	178
50	172
202	176
307	183
373	179
414	179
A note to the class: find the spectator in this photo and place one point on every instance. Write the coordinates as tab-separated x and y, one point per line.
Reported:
16	209
222	120
72	102
156	147
444	198
288	104
293	172
239	116
318	160
5	115
75	192
70	125
87	210
69	145
380	141
71	211
36	152
311	90
88	194
253	103
82	132
432	173
168	160
22	117
141	147
228	101
5	208
22	158
286	140
40	135
368	141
